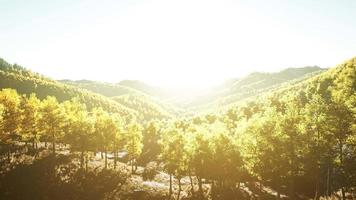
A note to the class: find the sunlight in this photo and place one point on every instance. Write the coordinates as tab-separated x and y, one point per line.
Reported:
178	100
168	43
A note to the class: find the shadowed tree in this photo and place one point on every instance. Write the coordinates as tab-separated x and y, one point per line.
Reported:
174	155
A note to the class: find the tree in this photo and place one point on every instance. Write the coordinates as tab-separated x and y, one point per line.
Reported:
292	141
80	133
318	151
2	109
151	136
105	131
117	128
199	151
110	135
52	115
11	114
30	114
174	155
341	125
11	117
133	145
226	166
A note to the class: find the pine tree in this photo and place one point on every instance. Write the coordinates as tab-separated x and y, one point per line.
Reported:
174	155
80	132
29	108
11	115
52	115
133	145
11	118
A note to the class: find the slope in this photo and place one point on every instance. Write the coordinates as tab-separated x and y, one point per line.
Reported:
26	82
147	106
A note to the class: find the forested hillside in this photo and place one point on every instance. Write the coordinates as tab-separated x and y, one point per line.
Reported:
27	82
143	87
253	84
106	89
297	141
148	107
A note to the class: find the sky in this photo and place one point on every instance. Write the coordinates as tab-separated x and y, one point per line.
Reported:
176	44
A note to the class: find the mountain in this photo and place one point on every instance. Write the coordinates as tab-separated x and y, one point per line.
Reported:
105	89
258	80
147	106
140	86
338	81
255	83
145	101
26	82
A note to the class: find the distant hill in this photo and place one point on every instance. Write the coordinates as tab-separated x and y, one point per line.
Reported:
145	101
255	83
139	86
147	106
260	80
106	89
26	82
339	80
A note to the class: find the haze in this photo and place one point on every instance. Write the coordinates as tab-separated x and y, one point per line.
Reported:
174	43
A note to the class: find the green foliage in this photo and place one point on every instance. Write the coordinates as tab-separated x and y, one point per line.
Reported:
298	140
133	139
151	135
30	116
52	115
11	115
27	82
147	107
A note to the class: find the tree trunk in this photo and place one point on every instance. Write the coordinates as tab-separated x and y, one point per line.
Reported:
327	182
179	188
191	182
278	195
316	194
53	144
86	163
213	188
343	193
170	186
106	160
36	149
342	165
115	159
200	184
9	154
132	166
82	159
101	154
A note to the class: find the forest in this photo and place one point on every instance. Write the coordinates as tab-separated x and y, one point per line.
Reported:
290	135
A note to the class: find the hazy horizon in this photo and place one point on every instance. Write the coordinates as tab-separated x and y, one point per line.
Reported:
196	44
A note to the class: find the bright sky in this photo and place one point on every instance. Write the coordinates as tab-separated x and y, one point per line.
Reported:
174	43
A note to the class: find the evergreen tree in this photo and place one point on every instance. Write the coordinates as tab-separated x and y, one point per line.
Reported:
30	115
133	145
52	115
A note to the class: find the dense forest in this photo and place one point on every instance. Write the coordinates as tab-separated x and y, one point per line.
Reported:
289	135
